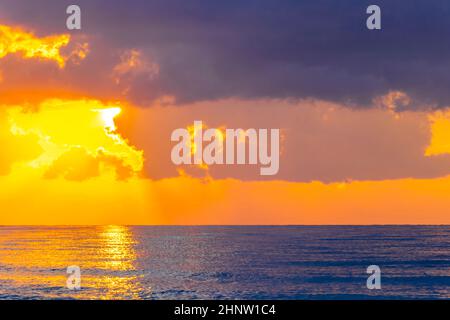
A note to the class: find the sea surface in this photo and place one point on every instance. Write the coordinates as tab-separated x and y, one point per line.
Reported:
236	262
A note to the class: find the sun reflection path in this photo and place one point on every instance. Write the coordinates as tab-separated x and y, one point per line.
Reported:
37	260
118	254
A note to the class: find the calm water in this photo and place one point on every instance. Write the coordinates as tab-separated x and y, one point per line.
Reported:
119	262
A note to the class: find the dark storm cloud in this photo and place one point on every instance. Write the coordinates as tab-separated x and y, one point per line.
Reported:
275	49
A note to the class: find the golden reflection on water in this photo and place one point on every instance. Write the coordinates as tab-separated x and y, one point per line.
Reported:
37	258
118	249
117	246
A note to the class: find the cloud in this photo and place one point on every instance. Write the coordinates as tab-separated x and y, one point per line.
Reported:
263	49
15	147
78	165
293	65
15	40
189	201
321	141
32	64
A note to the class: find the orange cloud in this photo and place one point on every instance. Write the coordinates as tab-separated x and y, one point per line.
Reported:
16	40
403	201
83	172
15	148
132	63
77	139
440	134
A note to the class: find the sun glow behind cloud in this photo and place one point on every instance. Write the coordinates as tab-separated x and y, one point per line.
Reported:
77	139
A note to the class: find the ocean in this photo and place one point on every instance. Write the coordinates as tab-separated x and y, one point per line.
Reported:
225	262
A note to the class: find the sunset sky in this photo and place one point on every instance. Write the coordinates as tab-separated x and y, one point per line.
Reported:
86	115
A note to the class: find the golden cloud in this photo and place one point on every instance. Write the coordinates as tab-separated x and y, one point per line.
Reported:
77	139
15	40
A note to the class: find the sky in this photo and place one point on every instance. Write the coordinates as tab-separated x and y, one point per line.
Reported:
86	115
